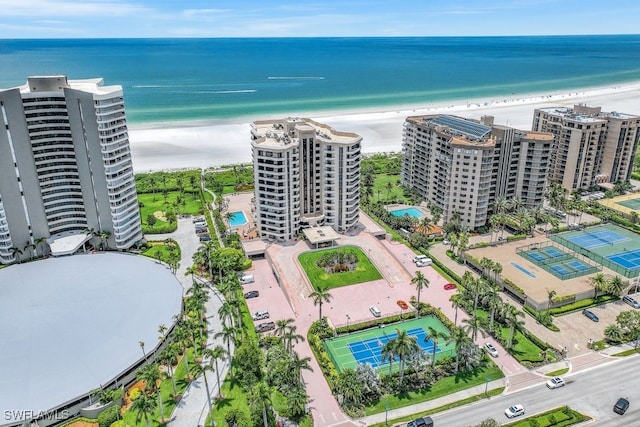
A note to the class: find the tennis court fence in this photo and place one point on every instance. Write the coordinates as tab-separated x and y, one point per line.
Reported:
605	262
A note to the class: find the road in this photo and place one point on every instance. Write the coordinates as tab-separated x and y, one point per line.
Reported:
592	392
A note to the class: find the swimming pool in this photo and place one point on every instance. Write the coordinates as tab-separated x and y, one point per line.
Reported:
237	219
414	212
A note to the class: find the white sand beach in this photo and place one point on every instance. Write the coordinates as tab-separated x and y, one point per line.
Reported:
176	145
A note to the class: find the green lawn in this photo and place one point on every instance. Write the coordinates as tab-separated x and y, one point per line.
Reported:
155	202
382	190
441	388
161	250
524	350
365	270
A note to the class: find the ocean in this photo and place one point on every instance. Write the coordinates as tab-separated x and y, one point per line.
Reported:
208	79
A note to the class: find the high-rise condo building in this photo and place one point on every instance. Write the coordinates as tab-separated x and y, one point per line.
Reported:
65	167
462	166
306	174
591	147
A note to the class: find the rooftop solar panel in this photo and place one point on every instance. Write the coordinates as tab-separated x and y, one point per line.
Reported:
472	129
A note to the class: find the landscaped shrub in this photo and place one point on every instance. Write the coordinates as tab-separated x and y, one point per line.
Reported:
516	237
513	285
135	393
579	305
108	416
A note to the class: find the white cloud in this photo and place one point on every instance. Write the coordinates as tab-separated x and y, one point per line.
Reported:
31	8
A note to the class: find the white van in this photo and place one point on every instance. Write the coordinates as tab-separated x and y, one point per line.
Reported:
424	262
247	278
419	258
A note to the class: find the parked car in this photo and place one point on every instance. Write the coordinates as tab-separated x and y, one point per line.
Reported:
555	382
631	301
514	411
621	406
424	262
264	327
246	278
419	258
421	422
493	352
450	286
375	311
204	237
260	315
252	294
198	219
591	315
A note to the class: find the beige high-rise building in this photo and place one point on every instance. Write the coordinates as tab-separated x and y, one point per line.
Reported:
591	147
460	165
306	174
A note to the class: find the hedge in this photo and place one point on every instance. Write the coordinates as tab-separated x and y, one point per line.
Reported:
446	269
579	305
108	416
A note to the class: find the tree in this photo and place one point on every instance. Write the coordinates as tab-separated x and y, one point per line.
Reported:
297	400
151	220
169	358
144	407
614	334
283	326
389	353
511	316
320	297
150	374
16	253
598	282
434	335
420	282
216	354
457	337
456	303
473	325
228	335
404	345
297	365
202	369
260	402
550	295
616	286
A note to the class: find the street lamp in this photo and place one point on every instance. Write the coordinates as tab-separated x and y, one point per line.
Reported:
486	386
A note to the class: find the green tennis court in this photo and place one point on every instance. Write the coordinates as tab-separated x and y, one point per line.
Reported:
348	351
631	203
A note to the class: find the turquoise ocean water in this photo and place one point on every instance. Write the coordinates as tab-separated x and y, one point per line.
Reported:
194	79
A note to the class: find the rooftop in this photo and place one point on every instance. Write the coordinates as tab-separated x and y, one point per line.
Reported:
283	133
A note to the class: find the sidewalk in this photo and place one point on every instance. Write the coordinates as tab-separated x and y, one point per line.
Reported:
192	409
409	411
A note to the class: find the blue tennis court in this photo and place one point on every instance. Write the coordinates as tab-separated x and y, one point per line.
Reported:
595	239
560	270
629	260
370	350
552	252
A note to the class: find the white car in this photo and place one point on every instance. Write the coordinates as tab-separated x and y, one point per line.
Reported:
493	352
555	383
375	311
424	262
259	315
514	411
420	258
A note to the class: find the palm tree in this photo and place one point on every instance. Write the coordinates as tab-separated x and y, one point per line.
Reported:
227	313
228	335
261	397
104	235
144	407
456	303
389	353
616	286
297	400
16	253
217	353
550	295
141	344
420	282
151	375
473	325
434	335
169	358
491	299
298	364
319	297
38	242
182	336
404	346
614	333
511	316
598	282
500	204
202	369
457	337
283	326
29	248
290	337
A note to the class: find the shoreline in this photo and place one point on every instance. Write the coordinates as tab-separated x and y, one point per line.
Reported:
215	142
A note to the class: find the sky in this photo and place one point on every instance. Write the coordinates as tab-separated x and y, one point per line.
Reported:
314	18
